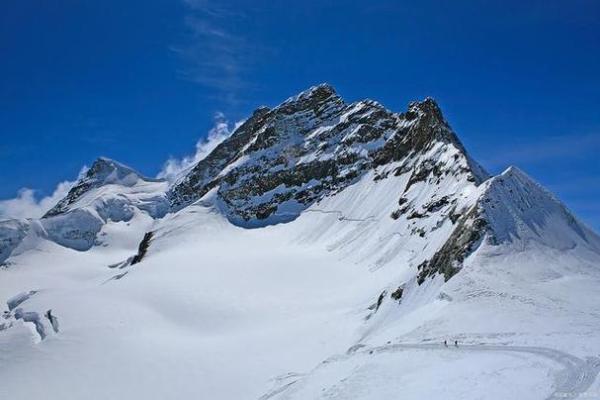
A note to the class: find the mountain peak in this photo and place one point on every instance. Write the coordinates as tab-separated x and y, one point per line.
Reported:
515	171
312	98
107	170
261	110
515	174
427	107
320	90
314	144
104	171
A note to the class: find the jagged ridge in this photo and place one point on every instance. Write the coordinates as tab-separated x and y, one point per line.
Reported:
311	146
282	160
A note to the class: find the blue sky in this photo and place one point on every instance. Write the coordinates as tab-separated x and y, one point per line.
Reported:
142	81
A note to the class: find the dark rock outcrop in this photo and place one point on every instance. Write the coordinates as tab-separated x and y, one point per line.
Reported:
466	236
282	160
142	248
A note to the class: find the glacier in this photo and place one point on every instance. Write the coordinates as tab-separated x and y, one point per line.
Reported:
324	250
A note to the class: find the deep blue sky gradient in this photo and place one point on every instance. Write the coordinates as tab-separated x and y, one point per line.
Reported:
140	81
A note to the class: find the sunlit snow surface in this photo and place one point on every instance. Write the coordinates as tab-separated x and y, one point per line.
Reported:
215	311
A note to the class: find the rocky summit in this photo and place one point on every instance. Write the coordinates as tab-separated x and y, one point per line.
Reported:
281	161
324	250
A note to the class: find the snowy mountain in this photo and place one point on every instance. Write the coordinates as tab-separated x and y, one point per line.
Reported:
108	192
323	250
314	145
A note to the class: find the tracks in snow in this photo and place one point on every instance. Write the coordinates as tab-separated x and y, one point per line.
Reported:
576	378
578	375
342	217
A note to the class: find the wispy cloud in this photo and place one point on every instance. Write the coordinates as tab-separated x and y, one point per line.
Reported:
222	129
214	56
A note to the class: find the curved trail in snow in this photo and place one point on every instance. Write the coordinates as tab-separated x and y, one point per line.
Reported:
576	378
578	374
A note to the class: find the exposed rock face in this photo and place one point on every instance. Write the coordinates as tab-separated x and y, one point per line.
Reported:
447	261
142	248
201	178
311	147
280	161
397	294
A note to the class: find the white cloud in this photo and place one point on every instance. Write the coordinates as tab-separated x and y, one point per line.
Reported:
218	133
26	205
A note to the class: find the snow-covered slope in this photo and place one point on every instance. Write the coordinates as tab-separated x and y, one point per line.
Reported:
108	192
375	237
113	189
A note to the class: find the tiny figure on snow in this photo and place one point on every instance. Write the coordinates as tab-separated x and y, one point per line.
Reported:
446	343
456	343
